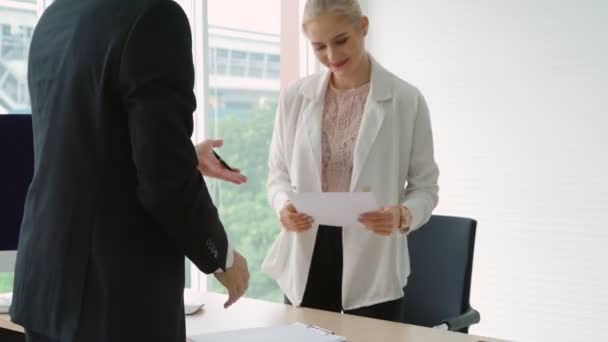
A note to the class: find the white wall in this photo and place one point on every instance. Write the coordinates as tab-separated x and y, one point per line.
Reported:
518	95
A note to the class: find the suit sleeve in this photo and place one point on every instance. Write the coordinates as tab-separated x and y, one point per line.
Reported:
157	81
422	188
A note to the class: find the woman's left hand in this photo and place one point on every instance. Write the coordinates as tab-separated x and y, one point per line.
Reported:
382	221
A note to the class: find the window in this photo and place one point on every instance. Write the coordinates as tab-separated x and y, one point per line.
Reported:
241	110
256	65
219	65
6	282
17	21
273	67
238	63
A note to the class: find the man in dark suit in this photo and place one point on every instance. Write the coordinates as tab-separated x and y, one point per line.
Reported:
117	199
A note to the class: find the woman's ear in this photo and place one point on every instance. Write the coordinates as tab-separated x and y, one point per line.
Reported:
364	25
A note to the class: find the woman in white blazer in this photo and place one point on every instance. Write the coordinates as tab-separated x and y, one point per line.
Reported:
356	127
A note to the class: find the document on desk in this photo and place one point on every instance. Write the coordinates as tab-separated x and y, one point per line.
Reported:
296	332
341	209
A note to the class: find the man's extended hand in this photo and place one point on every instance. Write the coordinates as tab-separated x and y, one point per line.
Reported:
235	279
210	166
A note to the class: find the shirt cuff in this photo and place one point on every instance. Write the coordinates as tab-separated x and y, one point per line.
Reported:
229	259
278	201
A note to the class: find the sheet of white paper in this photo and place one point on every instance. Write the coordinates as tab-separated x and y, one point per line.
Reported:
340	209
296	332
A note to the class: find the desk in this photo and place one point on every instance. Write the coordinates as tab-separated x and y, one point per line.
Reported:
252	313
5	323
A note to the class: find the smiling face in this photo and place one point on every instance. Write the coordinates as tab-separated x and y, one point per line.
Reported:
338	43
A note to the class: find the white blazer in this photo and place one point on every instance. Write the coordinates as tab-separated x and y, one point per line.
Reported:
393	158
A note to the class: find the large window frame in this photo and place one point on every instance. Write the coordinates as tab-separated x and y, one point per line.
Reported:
297	61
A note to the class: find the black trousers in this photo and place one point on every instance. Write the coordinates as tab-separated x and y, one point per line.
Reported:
324	286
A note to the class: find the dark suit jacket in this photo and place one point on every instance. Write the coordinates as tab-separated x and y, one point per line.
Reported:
116	201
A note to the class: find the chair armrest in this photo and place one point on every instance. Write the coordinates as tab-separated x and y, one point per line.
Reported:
463	321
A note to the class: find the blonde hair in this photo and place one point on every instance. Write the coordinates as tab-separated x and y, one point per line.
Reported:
350	9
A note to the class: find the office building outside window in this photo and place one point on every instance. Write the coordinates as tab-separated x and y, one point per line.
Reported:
244	86
17	21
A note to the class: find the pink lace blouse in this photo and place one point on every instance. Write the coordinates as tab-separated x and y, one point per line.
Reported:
340	128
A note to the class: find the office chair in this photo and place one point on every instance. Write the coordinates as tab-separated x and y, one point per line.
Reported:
438	288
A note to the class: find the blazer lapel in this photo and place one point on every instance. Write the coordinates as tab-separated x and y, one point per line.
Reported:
373	117
313	117
372	120
312	120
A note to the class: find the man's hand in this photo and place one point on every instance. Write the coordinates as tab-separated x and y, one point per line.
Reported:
210	166
235	279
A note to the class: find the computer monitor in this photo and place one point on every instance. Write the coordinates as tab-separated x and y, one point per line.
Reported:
16	170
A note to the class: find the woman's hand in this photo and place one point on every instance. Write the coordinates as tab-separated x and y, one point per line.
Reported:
293	220
383	221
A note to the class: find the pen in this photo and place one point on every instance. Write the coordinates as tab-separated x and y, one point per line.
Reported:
319	328
222	162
